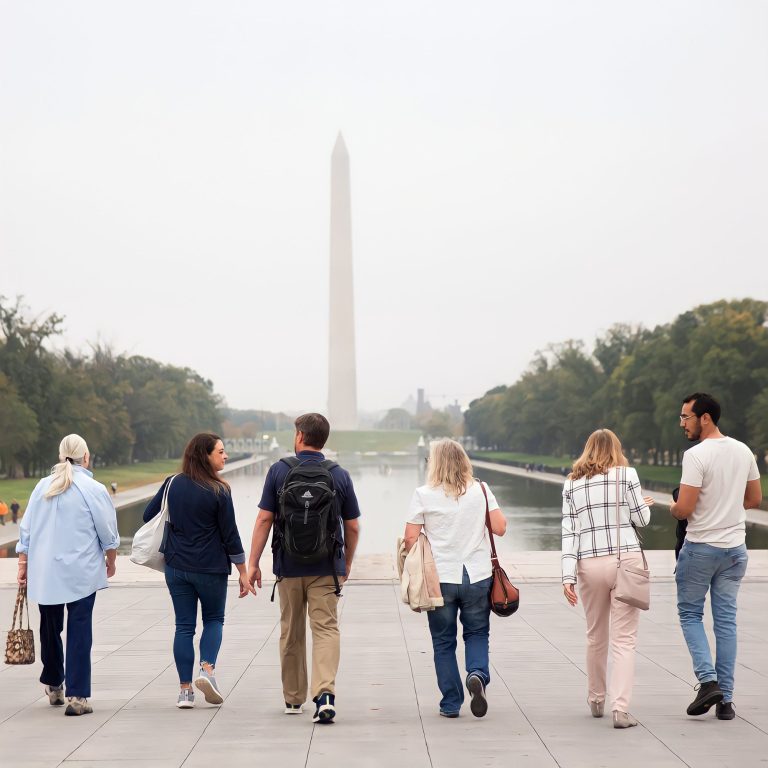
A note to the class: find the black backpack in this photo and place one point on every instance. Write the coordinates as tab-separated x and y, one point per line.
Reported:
308	520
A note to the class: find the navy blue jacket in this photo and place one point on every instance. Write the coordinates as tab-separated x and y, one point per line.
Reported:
203	536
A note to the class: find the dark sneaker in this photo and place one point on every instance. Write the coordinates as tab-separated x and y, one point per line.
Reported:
55	695
326	709
448	714
724	710
76	705
709	693
293	709
206	684
186	699
476	687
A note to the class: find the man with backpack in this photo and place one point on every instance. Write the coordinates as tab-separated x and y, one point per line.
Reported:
310	504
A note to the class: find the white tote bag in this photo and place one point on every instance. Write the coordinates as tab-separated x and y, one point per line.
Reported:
145	549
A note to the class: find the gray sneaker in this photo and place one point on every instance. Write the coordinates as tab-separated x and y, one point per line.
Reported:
186	699
55	695
206	683
77	705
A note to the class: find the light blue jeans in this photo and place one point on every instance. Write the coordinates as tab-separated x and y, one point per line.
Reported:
703	568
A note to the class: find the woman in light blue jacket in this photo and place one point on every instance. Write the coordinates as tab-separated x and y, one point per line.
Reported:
67	546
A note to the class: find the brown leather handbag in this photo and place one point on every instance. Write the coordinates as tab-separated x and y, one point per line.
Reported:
505	596
20	645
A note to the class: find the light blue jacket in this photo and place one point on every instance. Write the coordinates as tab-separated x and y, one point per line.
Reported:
65	538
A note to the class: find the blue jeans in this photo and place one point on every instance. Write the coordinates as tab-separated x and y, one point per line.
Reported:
186	589
79	641
471	604
702	568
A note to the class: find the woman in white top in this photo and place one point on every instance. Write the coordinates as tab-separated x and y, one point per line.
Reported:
589	557
450	509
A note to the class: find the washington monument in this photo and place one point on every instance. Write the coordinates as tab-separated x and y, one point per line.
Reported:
342	375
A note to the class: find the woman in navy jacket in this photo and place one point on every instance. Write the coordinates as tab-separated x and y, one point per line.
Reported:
201	545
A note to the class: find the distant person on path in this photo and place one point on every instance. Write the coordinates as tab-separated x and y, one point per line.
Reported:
299	496
113	486
450	509
3	512
67	546
202	545
589	558
719	482
15	511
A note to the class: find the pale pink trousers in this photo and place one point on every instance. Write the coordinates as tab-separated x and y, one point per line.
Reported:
608	621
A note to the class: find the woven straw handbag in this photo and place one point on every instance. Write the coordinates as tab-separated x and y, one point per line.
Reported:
20	645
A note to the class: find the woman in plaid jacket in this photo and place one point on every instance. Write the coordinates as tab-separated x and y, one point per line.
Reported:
589	558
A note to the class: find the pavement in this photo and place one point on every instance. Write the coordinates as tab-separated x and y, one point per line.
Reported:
387	698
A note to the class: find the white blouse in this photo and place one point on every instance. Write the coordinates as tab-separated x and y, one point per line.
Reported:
456	530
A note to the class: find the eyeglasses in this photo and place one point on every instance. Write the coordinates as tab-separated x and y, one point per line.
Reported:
684	417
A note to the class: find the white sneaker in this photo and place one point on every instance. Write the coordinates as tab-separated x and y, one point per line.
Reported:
55	695
186	699
206	683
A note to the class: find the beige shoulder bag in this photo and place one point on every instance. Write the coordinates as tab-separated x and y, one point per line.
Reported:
633	584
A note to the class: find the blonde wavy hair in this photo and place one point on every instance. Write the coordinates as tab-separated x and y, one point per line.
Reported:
449	467
72	452
602	452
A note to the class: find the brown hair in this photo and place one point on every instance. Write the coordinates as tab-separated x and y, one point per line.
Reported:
196	466
315	428
449	467
602	452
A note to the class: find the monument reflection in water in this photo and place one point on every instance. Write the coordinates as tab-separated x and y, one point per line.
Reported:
385	486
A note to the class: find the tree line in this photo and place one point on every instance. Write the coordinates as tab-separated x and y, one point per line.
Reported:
129	408
633	381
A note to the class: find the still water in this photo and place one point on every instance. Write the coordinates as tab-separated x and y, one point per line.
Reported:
533	509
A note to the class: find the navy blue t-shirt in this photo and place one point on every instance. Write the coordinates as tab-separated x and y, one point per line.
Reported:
347	506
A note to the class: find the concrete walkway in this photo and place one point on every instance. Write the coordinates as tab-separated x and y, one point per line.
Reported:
387	696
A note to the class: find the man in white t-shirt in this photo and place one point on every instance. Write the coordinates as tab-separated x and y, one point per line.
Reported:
720	481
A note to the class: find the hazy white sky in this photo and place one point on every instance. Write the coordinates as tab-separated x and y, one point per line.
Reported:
522	173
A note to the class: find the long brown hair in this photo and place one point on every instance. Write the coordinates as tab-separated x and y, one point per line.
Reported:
196	466
602	452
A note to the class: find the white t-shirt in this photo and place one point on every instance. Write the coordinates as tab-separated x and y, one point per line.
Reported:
721	467
456	531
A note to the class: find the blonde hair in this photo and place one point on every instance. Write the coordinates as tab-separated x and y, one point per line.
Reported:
602	451
72	452
449	467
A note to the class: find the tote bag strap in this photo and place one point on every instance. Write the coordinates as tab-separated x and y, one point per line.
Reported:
164	503
494	557
618	530
18	611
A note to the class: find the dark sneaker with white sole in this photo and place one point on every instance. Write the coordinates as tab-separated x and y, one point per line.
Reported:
443	713
478	706
293	709
55	695
724	710
76	705
708	695
326	708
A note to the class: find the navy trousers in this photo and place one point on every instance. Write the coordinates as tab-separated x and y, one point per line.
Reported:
79	641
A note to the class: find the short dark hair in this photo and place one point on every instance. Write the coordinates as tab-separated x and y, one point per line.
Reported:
704	403
315	428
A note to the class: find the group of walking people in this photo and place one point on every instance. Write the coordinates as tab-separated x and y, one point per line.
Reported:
69	539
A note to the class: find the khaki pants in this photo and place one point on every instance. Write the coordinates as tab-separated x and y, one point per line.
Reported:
597	578
298	596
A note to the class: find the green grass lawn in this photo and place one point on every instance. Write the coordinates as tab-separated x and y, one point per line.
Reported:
363	440
668	476
126	476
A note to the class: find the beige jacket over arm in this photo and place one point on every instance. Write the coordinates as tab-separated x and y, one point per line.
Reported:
419	582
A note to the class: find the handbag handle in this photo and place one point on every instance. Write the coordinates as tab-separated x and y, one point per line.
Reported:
164	503
21	601
618	529
494	557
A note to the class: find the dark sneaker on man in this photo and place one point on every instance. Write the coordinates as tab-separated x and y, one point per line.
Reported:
709	693
326	709
293	709
76	705
55	695
206	684
186	699
724	710
476	687
448	714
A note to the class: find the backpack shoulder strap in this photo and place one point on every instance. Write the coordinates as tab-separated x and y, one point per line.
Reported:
328	464
291	461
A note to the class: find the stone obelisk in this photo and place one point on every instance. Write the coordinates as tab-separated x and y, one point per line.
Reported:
342	373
